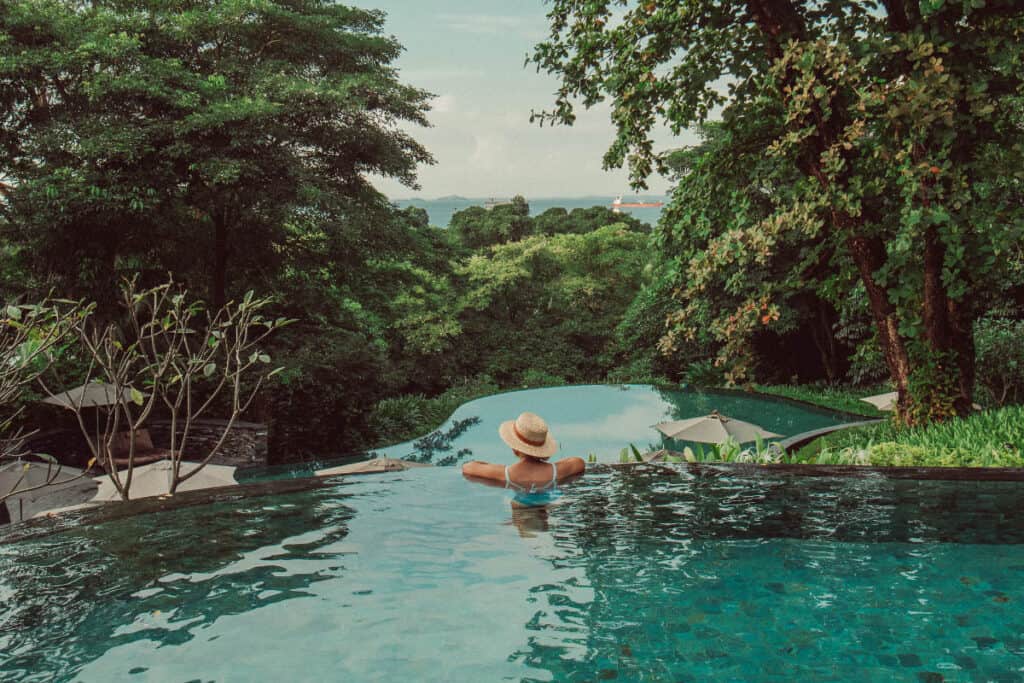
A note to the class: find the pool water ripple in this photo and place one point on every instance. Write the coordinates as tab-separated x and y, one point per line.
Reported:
651	574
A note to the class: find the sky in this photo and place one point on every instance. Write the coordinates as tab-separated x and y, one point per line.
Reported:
470	55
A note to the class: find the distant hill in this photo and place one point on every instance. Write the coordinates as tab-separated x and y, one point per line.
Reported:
452	198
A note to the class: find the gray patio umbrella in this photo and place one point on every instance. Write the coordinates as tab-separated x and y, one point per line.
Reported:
58	487
155	480
713	428
373	466
91	395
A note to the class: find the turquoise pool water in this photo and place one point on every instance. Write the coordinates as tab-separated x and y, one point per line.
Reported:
600	419
653	574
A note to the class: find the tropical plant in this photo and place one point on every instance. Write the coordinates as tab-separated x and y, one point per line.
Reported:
174	355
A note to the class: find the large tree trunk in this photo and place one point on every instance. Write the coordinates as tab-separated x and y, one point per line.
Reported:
869	255
779	21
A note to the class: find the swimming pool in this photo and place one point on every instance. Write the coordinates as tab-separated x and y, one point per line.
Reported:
650	573
602	420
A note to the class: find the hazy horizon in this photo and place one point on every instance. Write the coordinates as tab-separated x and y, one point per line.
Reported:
590	195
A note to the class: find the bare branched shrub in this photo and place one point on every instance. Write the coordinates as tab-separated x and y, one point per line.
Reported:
32	336
173	355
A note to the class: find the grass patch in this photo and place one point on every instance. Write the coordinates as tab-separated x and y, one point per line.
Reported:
844	399
994	438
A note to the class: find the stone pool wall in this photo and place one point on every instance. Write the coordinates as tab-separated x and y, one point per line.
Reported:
246	445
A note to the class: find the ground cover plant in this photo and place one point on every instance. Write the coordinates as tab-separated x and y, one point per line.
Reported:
993	438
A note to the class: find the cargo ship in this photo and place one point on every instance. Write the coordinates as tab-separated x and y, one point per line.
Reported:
618	205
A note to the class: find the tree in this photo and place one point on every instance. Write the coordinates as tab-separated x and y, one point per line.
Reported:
549	304
173	356
182	136
478	227
900	120
556	221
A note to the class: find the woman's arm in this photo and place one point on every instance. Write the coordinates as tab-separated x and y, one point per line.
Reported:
570	467
483	470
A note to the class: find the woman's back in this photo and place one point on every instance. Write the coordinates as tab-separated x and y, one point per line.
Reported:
528	436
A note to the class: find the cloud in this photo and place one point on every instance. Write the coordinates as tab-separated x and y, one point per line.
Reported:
441	74
488	24
443	104
490	151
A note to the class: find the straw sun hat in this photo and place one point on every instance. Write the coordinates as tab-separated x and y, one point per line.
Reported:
528	434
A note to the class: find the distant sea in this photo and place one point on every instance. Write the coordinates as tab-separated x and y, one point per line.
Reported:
440	210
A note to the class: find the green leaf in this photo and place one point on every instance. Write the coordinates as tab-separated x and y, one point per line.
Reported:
209	369
137	397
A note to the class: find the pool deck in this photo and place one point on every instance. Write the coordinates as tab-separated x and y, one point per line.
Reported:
794	443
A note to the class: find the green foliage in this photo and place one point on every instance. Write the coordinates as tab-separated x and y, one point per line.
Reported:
478	227
549	303
731	450
539	378
861	148
993	438
579	221
703	373
152	151
638	371
844	399
932	389
403	418
1000	348
630	454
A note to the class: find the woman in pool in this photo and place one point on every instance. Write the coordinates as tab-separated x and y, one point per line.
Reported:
532	478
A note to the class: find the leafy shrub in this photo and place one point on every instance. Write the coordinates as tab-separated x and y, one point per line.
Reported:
999	344
402	418
891	454
732	451
539	378
990	439
867	364
398	415
703	373
639	371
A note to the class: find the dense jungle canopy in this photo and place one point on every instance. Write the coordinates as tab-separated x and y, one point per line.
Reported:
854	211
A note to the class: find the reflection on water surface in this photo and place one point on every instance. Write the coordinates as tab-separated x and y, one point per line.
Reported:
655	574
600	419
